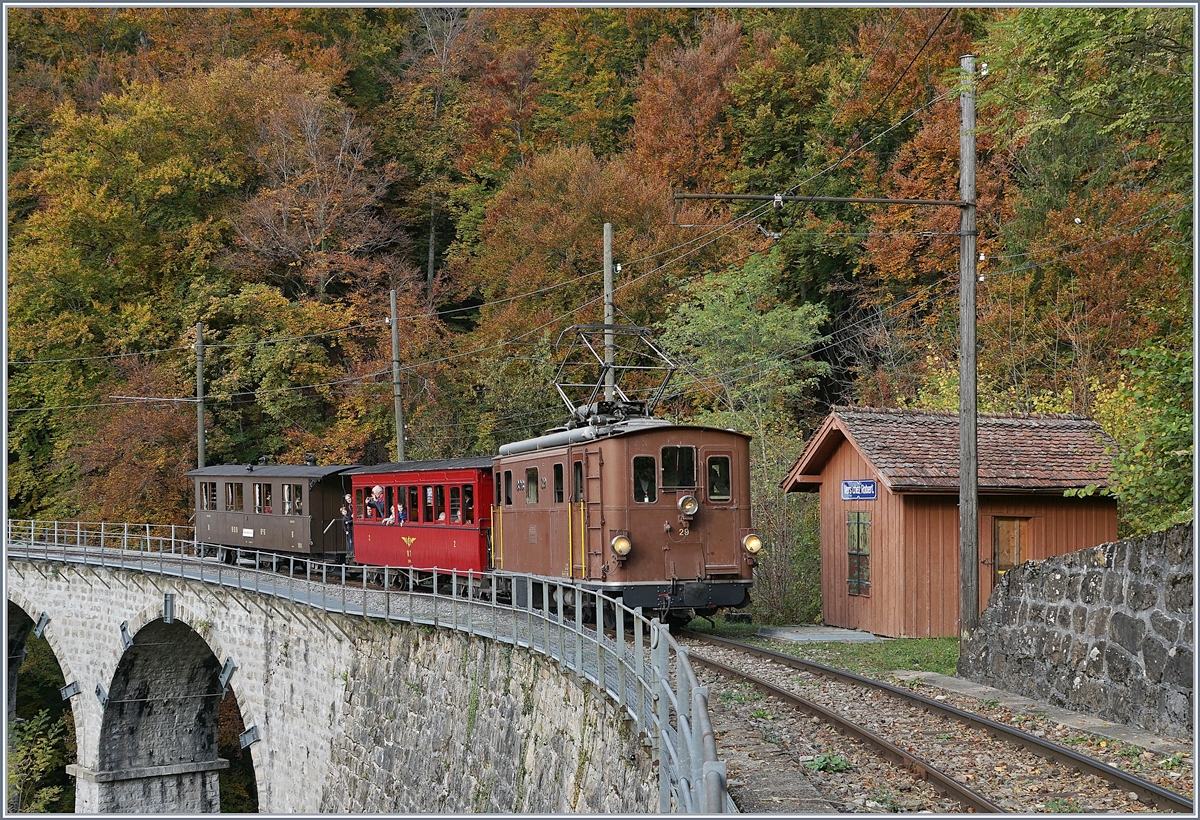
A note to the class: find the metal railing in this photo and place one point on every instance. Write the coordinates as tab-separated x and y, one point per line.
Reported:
635	662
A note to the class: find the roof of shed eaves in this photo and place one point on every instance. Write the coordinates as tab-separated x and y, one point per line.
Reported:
917	450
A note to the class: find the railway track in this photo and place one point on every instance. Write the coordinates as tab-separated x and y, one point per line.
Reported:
941	757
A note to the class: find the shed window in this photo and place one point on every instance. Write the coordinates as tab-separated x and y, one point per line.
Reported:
531	485
644	475
718	478
678	467
262	498
208	495
233	497
858	527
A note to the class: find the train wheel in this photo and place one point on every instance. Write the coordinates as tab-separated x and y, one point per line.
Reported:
677	622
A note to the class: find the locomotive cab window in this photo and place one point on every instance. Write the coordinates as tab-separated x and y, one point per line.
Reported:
531	485
718	479
208	495
508	488
644	476
233	497
558	483
678	467
577	478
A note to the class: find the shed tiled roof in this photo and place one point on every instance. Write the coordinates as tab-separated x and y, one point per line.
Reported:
917	450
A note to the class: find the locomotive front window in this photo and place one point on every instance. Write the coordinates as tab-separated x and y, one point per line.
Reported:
531	485
678	467
508	488
262	498
558	483
208	495
468	508
233	497
644	475
577	475
718	478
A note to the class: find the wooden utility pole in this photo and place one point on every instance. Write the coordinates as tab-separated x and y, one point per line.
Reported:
968	453
968	498
609	376
199	395
395	323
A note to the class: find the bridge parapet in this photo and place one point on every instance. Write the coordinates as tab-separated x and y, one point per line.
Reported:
642	670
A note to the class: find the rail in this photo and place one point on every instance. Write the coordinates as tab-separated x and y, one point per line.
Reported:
636	663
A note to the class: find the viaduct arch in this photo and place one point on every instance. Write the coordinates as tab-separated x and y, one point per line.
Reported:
343	713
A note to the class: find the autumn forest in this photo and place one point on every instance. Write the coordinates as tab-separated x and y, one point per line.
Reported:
271	174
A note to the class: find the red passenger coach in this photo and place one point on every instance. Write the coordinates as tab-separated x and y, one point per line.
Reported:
447	507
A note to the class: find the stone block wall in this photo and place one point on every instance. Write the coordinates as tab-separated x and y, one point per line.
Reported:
1107	631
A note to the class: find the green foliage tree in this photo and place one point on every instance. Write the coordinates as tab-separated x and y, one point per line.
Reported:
33	752
745	353
1150	414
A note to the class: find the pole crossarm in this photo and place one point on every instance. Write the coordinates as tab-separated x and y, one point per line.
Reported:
864	200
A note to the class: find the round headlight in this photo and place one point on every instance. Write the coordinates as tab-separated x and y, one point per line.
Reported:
688	504
621	545
752	543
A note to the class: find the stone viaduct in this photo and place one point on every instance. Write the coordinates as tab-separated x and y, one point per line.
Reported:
342	713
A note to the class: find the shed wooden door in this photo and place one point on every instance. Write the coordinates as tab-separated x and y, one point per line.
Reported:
1010	546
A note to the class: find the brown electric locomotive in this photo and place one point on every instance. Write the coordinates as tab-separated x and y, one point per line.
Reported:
654	513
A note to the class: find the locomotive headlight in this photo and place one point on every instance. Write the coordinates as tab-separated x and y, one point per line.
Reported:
752	543
621	545
688	504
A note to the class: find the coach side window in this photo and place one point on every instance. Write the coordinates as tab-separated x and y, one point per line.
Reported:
644	489
208	495
262	498
468	504
292	498
558	483
577	475
233	497
718	478
414	502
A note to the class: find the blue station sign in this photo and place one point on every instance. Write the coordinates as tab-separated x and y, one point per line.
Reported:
862	489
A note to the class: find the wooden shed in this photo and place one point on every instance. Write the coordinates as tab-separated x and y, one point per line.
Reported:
888	481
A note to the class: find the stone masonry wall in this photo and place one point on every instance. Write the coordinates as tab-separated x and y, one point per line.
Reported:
437	721
1106	631
354	715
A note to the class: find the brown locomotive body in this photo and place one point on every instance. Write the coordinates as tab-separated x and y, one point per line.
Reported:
674	499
